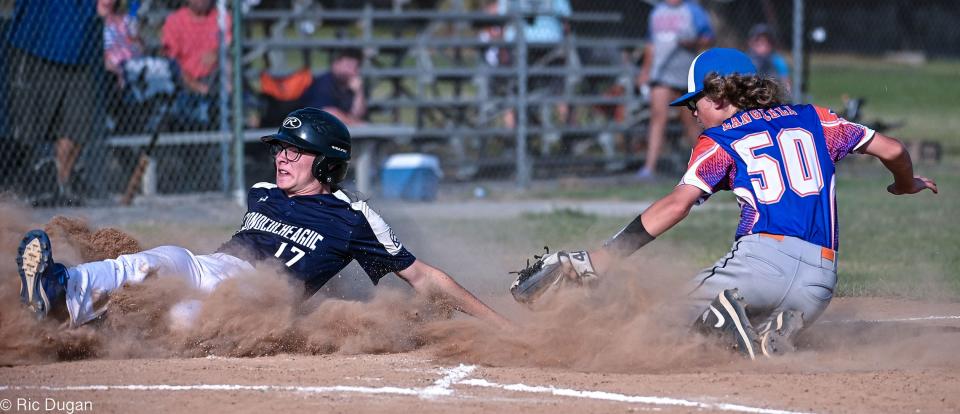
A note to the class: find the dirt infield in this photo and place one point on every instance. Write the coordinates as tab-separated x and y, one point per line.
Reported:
877	377
255	348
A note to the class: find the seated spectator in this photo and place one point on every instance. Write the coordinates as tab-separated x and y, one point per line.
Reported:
280	95
762	49
340	90
545	32
190	37
121	40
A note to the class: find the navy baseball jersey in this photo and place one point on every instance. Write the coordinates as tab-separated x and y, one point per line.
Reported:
316	236
779	162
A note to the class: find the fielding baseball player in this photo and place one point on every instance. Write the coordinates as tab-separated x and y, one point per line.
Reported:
778	159
304	222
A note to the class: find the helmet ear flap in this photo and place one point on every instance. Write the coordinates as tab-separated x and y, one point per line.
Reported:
329	170
337	170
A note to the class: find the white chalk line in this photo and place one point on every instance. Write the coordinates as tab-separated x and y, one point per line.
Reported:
441	387
451	376
912	319
611	396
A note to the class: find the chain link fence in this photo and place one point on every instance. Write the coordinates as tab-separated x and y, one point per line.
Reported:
88	85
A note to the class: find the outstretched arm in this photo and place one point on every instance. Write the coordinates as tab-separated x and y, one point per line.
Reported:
654	221
426	279
895	157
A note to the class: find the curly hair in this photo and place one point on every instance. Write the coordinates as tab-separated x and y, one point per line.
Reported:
744	92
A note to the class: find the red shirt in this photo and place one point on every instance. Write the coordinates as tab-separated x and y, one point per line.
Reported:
187	38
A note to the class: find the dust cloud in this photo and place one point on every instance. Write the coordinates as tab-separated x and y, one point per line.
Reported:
618	327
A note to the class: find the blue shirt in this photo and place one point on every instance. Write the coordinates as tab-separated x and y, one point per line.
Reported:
543	28
62	31
773	65
316	236
324	92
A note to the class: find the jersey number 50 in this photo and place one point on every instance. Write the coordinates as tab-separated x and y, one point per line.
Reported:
799	155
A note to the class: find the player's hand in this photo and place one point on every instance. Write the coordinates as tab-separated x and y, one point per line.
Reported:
918	184
355	84
643	78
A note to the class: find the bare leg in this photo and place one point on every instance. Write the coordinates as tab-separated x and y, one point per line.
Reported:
659	101
66	154
563	113
509	120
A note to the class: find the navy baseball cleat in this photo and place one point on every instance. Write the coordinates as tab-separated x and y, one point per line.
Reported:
43	283
727	317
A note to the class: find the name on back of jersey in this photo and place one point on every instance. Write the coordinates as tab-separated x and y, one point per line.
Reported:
305	237
758	114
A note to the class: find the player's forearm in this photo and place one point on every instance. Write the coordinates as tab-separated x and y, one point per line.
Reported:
195	84
654	221
663	215
894	157
466	302
426	279
359	107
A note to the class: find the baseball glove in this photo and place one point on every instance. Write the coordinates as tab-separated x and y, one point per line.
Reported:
552	269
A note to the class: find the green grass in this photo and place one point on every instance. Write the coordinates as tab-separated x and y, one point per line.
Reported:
629	192
899	245
925	97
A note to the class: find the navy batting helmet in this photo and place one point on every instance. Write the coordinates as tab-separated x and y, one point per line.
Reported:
321	133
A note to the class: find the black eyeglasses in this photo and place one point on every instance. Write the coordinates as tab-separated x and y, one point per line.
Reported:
692	102
290	152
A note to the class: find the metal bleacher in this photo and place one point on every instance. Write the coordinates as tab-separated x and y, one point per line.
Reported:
426	75
425	68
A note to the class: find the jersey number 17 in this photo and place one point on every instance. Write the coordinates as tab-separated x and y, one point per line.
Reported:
298	254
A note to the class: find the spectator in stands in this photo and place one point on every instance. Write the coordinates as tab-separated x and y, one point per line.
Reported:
678	30
494	55
339	91
53	58
190	36
121	39
762	49
544	31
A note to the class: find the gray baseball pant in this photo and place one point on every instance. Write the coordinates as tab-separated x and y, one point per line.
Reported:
773	273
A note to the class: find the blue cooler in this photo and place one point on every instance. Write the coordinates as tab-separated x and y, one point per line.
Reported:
411	177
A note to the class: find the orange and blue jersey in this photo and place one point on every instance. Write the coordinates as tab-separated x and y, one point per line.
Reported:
779	162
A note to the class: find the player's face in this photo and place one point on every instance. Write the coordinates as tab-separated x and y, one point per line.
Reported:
711	114
761	45
200	6
345	68
294	175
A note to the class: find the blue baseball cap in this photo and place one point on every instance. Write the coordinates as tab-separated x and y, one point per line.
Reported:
723	61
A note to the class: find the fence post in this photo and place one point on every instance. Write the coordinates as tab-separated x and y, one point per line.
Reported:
239	181
224	87
523	165
798	31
